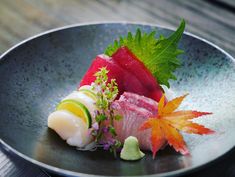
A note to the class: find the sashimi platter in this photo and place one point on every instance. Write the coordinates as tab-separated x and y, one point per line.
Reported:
123	103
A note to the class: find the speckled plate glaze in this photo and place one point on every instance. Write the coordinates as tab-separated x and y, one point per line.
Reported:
36	74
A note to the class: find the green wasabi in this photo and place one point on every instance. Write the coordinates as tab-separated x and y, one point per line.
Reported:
131	150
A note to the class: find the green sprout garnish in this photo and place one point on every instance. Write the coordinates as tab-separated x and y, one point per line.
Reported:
103	130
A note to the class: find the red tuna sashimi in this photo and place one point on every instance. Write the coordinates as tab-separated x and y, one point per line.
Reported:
135	110
128	61
103	61
131	75
123	77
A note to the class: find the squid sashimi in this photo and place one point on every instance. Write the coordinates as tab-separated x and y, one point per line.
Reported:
73	117
70	128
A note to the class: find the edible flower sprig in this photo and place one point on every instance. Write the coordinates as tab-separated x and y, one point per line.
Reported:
103	130
167	124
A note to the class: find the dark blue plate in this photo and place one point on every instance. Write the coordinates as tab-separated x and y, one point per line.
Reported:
39	72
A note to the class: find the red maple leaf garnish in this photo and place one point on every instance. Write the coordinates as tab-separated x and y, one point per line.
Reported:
167	124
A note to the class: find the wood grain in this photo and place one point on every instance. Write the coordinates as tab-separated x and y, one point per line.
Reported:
20	19
15	167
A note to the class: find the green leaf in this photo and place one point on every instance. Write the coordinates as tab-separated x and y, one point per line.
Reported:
117	117
164	61
100	118
158	55
118	144
112	131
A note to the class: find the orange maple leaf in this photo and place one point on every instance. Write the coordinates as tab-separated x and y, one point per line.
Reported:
167	124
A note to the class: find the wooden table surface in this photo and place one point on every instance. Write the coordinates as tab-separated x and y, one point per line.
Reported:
211	19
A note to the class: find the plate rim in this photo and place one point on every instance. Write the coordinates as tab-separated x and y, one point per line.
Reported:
62	171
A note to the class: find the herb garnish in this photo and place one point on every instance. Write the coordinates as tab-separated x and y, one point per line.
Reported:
103	130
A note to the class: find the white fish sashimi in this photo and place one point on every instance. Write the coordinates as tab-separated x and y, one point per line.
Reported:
85	100
70	128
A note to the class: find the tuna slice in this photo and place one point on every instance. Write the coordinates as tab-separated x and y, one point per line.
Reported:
128	61
135	109
130	73
115	72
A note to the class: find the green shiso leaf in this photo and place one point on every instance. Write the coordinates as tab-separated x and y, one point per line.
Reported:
159	55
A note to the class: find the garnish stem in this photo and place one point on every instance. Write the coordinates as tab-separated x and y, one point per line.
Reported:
105	133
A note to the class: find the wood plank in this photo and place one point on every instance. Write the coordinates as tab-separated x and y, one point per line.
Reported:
229	2
228	5
211	26
197	23
38	16
18	168
66	13
128	12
